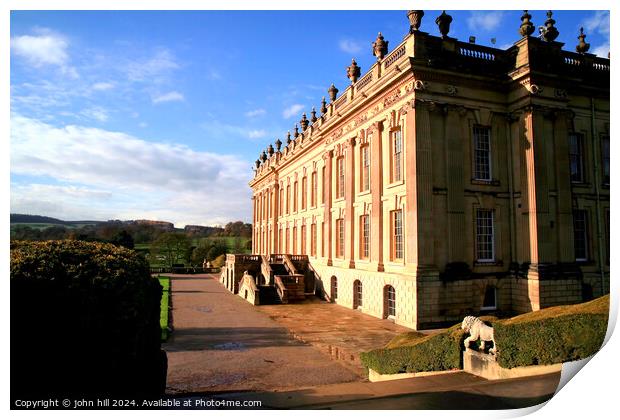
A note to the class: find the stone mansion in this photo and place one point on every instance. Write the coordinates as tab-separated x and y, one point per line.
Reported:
449	179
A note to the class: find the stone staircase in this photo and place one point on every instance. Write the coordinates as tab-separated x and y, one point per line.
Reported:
271	279
269	295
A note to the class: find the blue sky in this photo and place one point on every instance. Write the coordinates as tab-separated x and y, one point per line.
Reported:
160	114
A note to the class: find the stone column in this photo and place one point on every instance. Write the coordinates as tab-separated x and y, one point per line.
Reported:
564	217
276	207
455	176
254	216
537	190
376	190
349	194
328	158
422	189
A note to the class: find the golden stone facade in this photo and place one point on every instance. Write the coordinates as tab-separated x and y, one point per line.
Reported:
448	180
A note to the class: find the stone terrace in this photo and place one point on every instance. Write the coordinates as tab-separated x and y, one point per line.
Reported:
340	332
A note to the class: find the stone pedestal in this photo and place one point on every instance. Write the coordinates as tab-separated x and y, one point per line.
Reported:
486	366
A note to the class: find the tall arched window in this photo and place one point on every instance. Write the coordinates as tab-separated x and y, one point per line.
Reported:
334	288
389	301
357	294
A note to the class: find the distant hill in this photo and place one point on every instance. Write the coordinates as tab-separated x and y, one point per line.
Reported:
32	218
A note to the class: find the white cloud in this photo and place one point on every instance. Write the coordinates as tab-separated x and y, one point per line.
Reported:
350	46
214	75
161	63
485	21
41	49
255	113
598	22
102	86
168	97
96	113
140	178
601	50
292	110
257	134
46	48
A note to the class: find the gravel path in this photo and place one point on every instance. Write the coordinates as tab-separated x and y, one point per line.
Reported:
222	343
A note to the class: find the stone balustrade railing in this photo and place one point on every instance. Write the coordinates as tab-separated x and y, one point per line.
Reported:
394	56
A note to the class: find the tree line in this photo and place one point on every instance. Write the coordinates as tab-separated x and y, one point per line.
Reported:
162	245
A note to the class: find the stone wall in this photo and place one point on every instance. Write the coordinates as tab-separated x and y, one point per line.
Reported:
373	286
236	265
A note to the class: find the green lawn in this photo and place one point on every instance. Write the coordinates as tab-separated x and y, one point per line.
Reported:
165	307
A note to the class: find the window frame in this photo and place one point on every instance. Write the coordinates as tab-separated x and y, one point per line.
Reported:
364	237
358	294
340	179
304	193
579	155
303	240
397	236
313	239
477	129
340	238
313	189
585	230
364	168
396	166
478	243
389	310
605	159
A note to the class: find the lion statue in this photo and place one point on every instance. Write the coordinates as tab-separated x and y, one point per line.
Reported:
478	330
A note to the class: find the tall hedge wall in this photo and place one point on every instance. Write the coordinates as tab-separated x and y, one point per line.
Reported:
84	322
553	335
430	353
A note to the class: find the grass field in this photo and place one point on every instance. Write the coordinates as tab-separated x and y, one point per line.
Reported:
165	308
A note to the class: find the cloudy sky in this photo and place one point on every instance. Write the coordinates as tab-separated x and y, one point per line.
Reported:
159	115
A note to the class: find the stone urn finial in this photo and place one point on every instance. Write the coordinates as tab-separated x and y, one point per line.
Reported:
443	21
288	138
278	145
263	157
549	32
323	106
353	71
313	117
583	46
304	122
270	150
333	91
296	132
380	47
257	162
527	27
415	19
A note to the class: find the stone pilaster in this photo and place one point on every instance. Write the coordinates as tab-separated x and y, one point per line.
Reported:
537	190
422	192
349	192
455	176
376	187
564	215
276	206
327	208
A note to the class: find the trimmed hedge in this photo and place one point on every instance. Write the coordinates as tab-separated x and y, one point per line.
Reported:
553	335
84	322
164	320
428	353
